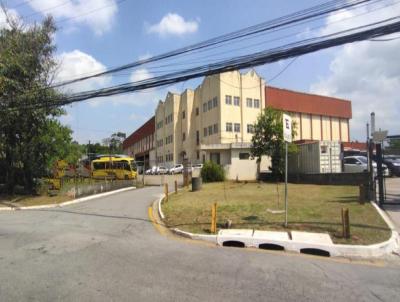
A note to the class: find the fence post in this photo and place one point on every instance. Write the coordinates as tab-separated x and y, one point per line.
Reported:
166	192
176	187
214	218
345	223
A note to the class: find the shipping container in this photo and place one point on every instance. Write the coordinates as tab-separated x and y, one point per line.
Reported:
316	157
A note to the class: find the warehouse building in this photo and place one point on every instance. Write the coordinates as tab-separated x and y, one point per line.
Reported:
215	122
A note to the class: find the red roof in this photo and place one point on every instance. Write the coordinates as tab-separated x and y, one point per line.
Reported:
294	101
146	129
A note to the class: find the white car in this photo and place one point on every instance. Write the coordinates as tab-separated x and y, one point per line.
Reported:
359	164
176	169
161	170
151	171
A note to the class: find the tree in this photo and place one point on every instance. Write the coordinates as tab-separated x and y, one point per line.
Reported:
268	139
28	137
114	142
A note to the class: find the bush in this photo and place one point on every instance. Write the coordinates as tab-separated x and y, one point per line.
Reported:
212	172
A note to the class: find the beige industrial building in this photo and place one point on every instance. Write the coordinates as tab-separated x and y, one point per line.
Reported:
215	121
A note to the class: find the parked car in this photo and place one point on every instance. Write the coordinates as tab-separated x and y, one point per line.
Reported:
176	169
161	170
359	164
151	171
393	164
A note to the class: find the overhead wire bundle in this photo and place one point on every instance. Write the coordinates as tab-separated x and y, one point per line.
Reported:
289	50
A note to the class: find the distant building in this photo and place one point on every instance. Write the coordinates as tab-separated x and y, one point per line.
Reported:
140	144
215	122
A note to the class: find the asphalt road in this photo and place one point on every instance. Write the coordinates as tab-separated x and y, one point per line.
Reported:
108	250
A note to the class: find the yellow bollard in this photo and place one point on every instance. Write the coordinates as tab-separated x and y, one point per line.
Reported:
214	218
345	223
166	192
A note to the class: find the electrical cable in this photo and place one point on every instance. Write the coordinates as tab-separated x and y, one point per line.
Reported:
264	57
310	13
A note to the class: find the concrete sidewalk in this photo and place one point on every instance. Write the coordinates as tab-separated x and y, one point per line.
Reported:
393	196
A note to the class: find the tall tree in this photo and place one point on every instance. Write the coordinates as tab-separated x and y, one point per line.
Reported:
27	67
268	139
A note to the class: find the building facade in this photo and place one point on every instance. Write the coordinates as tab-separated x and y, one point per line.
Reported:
140	144
215	121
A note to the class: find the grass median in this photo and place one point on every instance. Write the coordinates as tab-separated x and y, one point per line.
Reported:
312	208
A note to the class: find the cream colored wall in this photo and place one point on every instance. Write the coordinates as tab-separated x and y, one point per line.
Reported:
296	119
344	124
160	133
316	126
245	169
326	130
248	85
306	126
335	129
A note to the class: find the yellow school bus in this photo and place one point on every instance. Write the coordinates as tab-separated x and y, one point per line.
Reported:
112	167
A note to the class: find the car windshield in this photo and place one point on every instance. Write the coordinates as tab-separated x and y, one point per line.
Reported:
362	159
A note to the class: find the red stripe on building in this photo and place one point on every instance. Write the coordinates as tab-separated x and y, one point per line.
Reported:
146	129
301	102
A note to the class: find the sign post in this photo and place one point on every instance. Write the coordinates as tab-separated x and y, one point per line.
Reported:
287	136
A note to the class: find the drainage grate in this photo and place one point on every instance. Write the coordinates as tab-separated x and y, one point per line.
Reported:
233	243
271	246
315	252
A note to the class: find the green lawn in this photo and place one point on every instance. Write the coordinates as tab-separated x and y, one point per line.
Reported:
312	208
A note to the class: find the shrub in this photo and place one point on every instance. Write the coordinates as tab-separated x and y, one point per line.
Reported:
212	172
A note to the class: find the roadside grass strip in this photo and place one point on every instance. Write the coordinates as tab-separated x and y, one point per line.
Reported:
312	208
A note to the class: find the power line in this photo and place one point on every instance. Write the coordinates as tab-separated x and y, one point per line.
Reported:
264	57
307	14
283	70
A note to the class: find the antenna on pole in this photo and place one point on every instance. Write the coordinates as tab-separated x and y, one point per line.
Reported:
372	123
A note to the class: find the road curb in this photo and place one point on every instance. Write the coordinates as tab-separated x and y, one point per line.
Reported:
71	202
336	250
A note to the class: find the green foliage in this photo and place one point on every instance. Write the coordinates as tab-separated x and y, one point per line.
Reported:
30	139
212	172
114	142
268	139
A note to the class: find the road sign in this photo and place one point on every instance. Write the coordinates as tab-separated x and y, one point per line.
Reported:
287	128
379	136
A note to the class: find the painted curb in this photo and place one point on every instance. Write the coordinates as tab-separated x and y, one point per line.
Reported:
71	202
335	250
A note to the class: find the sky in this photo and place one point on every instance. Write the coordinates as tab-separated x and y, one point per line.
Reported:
94	35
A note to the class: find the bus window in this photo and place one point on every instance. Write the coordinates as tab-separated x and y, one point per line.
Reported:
98	166
133	166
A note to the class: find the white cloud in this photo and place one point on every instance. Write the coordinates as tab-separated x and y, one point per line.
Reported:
367	73
76	64
173	24
12	16
99	15
140	75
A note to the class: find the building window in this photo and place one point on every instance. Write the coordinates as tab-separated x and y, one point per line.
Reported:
249	102
209	103
205	132
210	128
197	110
215	128
256	103
244	155
236	101
250	128
183	115
205	107
197	154
183	136
228	127
228	100
215	102
197	138
237	127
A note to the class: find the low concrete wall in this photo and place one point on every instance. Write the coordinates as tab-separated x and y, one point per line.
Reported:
99	187
351	179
